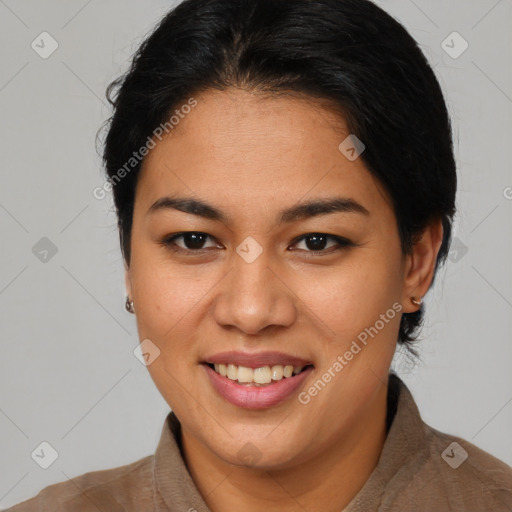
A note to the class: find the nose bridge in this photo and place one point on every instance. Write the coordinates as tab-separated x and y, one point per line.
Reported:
249	281
252	297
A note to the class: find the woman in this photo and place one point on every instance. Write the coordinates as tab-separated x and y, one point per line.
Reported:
284	180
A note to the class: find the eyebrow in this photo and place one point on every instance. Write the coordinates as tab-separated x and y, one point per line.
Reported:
301	211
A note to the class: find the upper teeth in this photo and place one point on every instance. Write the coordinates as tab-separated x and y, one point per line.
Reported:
262	375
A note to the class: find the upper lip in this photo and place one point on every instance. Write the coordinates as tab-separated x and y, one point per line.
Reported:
256	360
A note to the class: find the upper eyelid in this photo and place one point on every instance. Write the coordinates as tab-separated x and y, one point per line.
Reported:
336	238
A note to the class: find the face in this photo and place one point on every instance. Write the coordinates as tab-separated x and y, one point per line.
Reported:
263	283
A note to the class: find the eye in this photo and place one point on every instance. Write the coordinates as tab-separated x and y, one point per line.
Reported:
316	242
193	241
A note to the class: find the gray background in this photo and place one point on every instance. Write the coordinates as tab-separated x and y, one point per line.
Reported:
67	372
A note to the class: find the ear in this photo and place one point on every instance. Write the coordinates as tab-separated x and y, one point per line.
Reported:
420	264
128	281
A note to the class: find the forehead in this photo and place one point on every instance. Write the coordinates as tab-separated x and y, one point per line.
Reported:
237	119
258	150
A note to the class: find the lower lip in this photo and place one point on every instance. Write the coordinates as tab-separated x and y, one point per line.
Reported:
256	397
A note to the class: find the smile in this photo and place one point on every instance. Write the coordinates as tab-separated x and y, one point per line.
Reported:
262	376
240	387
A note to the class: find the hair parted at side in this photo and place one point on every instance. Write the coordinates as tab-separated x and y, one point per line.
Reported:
348	52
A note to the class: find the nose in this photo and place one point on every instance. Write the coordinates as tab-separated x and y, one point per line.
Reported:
254	296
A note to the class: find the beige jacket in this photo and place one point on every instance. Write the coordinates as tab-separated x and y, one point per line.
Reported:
420	469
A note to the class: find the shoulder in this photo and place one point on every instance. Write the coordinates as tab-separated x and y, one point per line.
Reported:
461	475
455	453
112	489
424	469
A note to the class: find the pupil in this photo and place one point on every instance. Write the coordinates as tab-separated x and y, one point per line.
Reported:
318	244
194	240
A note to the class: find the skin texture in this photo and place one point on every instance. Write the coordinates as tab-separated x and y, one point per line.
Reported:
251	157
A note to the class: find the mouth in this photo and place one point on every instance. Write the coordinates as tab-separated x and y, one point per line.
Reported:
260	376
256	381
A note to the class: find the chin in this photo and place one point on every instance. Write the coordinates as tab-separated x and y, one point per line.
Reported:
258	452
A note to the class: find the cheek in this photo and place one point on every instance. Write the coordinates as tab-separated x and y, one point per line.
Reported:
173	304
163	292
351	297
168	304
168	313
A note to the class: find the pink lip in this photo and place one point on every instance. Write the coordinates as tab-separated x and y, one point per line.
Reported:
255	360
255	397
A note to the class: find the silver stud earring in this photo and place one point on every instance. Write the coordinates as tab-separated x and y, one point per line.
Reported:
415	301
129	305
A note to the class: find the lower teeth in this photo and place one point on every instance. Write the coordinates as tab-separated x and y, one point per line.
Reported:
266	384
255	383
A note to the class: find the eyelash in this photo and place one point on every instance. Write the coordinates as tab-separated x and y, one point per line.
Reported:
342	242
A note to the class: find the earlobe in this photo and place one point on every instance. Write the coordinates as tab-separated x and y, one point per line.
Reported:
127	281
421	265
129	298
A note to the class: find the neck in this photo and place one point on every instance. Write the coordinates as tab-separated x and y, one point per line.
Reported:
328	481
